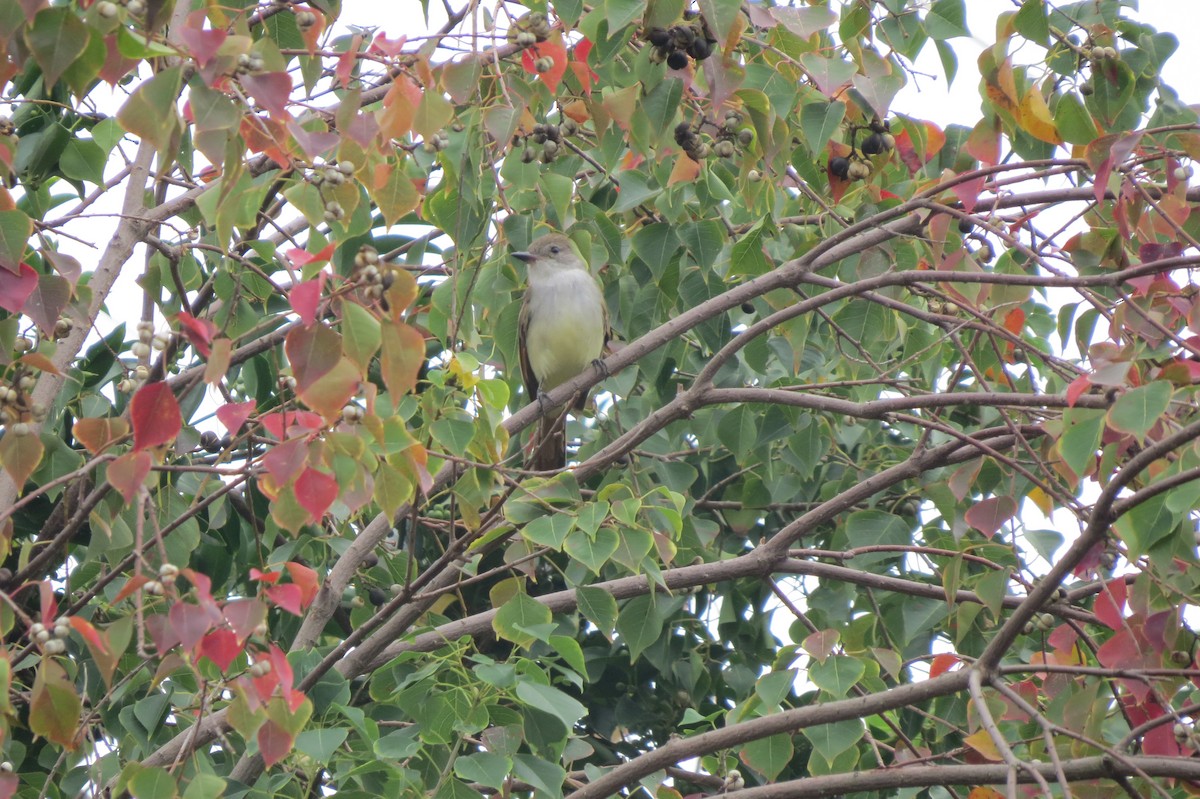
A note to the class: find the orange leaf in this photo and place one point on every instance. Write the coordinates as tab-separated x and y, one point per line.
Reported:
399	107
982	743
98	434
54	706
128	472
685	170
20	455
401	356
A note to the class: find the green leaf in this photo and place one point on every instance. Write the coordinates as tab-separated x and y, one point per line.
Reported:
549	531
205	786
320	744
1073	121
83	159
820	121
15	229
639	624
58	36
599	607
830	740
517	616
592	551
947	19
150	110
153	783
1138	409
546	778
1081	439
837	675
1032	23
769	756
550	700
660	107
486	768
774	686
749	258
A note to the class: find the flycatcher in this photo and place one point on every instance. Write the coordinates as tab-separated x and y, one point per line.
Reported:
563	327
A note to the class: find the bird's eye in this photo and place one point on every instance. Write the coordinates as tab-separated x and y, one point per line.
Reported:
554	250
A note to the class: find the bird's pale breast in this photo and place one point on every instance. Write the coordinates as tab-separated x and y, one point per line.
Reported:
567	332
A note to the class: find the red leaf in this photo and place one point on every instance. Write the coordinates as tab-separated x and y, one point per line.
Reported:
942	664
8	785
191	622
199	332
345	63
316	491
270	577
553	50
135	582
968	191
271	89
116	66
221	647
202	44
1063	638
234	414
305	297
283	669
284	460
127	473
47	301
16	288
391	47
313	352
163	632
306	579
49	605
987	516
283	424
287	596
1078	387
89	633
1110	603
244	616
155	416
298	258
583	73
274	742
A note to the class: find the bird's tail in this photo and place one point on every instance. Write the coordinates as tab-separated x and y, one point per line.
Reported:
550	443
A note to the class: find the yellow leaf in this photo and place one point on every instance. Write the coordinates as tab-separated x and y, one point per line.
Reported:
982	743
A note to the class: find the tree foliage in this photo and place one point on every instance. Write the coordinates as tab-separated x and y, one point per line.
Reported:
891	481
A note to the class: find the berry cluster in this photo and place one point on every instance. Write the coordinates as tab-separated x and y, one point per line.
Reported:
529	30
109	10
147	341
729	137
333	175
545	142
305	20
856	166
676	43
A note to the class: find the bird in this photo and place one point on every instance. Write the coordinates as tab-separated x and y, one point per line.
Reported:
563	327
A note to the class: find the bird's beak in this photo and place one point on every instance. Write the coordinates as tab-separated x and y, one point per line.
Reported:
526	257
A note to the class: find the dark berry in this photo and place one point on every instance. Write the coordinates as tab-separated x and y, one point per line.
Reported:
873	144
677	59
658	37
683	133
700	49
839	166
747	307
965	226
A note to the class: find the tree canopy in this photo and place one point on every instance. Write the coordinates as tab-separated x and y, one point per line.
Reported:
890	482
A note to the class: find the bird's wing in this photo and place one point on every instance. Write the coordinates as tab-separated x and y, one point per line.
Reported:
527	375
